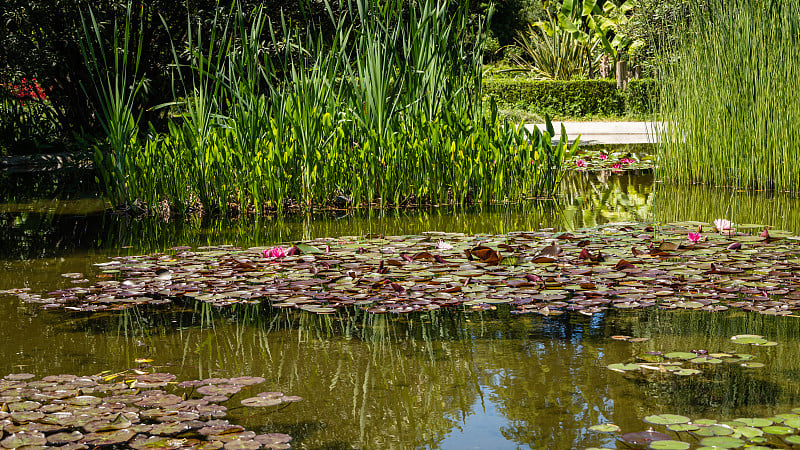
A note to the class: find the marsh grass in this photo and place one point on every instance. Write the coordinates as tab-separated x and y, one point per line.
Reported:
730	97
385	111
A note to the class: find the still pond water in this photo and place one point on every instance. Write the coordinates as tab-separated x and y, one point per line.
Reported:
447	379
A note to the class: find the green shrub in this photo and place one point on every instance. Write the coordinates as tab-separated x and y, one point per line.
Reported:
642	96
560	98
574	98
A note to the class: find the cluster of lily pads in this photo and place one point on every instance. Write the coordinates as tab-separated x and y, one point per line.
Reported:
132	410
692	362
754	433
603	159
676	266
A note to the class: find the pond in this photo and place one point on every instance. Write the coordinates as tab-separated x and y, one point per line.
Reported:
452	378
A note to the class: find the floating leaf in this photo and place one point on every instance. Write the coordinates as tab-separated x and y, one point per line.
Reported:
605	428
669	445
261	401
666	419
722	442
644	437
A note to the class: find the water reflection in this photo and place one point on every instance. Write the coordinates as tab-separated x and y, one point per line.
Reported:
434	380
42	229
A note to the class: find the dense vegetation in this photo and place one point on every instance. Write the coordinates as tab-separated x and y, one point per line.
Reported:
730	92
388	111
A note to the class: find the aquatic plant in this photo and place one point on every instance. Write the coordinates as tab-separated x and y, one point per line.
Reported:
132	409
547	273
388	112
728	96
778	431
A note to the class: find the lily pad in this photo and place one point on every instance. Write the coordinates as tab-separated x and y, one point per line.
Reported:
261	401
644	437
722	442
669	445
666	419
605	428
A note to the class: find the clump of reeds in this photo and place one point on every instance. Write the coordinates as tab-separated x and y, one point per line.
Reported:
730	96
386	111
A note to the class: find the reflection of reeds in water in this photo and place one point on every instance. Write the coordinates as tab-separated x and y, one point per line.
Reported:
729	391
597	197
675	203
373	378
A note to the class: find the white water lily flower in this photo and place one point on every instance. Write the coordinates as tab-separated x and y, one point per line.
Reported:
722	225
442	245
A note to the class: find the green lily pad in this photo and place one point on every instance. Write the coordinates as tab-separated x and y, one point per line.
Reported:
666	419
722	442
605	428
687	372
793	439
669	445
748	339
682	427
714	430
680	355
620	367
778	429
752	365
757	422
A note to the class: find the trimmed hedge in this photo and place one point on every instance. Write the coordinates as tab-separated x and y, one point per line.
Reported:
574	98
642	96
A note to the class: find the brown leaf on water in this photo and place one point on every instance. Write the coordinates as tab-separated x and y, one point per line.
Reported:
424	256
542	259
623	264
486	255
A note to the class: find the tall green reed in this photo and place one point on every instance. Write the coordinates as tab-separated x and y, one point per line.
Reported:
386	110
729	97
116	85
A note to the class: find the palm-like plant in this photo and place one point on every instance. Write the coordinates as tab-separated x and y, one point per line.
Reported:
553	53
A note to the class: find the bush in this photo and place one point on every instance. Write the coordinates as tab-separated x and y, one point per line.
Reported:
574	98
642	96
560	98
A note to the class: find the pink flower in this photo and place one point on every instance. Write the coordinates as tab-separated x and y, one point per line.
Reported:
602	156
695	237
274	252
616	166
626	161
580	163
722	225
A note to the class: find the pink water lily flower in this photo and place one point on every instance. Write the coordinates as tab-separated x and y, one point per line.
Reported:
722	225
274	252
603	156
695	237
626	161
616	166
580	163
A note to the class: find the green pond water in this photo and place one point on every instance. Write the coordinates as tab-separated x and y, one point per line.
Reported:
449	379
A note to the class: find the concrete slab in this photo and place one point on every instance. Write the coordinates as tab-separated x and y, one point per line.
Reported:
594	133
